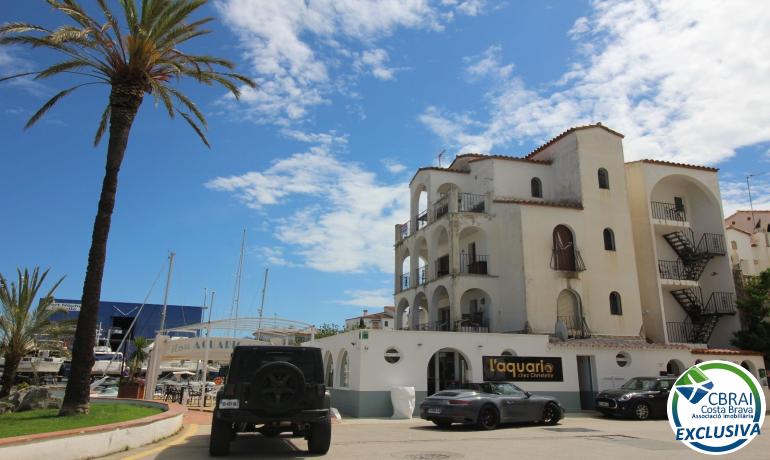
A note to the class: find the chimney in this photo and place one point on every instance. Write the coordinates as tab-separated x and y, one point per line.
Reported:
366	312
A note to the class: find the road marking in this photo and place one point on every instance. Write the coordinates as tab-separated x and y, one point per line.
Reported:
189	431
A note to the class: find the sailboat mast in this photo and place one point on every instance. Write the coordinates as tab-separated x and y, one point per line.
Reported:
237	289
165	294
262	306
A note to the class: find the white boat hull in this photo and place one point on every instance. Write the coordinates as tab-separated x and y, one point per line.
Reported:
106	367
40	366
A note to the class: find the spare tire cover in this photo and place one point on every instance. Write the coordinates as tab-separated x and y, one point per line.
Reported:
277	387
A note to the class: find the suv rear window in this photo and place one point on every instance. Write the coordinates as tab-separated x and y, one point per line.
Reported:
246	363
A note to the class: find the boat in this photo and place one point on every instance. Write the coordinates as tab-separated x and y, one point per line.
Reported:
41	361
106	361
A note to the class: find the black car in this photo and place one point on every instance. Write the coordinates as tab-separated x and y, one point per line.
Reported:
489	404
271	390
640	398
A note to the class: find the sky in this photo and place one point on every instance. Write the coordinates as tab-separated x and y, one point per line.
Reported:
353	97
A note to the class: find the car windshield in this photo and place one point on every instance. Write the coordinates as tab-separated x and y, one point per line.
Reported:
640	384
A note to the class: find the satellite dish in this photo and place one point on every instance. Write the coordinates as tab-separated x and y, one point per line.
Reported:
561	330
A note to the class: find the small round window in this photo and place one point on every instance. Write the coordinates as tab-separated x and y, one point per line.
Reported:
392	355
623	359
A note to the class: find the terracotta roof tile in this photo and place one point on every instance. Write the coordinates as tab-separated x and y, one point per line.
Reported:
571	130
618	342
436	168
481	157
723	351
678	165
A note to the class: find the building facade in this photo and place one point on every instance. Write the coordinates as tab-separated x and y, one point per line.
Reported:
568	252
749	242
380	320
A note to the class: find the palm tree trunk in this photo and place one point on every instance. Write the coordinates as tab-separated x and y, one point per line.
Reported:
124	104
9	373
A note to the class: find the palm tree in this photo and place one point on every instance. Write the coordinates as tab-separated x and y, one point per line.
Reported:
20	324
135	57
140	355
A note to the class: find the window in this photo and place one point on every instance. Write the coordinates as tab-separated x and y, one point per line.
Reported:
329	371
616	308
344	370
679	203
604	179
609	239
386	324
734	245
622	359
665	385
537	188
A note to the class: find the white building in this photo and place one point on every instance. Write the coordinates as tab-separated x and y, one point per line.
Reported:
380	320
749	242
617	269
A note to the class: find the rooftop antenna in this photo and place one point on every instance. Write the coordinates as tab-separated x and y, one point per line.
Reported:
262	306
237	288
440	154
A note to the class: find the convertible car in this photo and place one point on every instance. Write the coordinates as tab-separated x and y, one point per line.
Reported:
487	405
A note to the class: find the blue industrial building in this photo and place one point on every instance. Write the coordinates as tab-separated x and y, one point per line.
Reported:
115	318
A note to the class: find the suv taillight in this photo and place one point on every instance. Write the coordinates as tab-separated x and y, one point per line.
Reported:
229	389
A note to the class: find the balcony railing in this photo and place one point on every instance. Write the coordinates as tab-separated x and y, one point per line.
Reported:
577	328
469	202
712	244
439	326
720	303
668	211
567	259
680	332
473	263
675	270
441	207
404	230
442	266
421	220
403	283
422	275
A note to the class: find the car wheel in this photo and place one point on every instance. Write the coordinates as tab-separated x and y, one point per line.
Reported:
221	433
551	414
442	423
489	418
642	411
319	437
271	431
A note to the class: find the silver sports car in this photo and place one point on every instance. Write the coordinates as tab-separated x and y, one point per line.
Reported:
488	405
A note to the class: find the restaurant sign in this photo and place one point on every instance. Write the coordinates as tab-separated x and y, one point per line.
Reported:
522	369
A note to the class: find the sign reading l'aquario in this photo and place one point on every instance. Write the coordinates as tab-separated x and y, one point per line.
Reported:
716	407
521	369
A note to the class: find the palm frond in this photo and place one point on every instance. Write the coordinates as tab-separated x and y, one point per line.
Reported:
187	102
195	127
20	28
62	67
161	92
51	102
102	125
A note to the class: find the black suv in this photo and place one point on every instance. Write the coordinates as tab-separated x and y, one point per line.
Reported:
640	397
271	390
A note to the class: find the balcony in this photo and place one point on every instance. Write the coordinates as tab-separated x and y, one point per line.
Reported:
676	270
441	207
459	326
474	264
422	275
577	328
680	332
668	211
567	259
403	283
469	202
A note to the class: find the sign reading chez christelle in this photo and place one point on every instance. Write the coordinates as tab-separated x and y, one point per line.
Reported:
522	369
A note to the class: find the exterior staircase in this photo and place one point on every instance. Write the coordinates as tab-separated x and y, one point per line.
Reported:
696	256
702	317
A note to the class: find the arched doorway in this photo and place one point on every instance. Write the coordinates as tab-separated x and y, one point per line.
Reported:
563	249
674	367
568	312
447	369
418	319
402	315
475	309
441	313
329	374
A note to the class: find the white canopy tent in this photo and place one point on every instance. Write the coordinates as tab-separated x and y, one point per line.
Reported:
215	341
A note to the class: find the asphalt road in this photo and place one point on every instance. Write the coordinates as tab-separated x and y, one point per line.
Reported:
576	437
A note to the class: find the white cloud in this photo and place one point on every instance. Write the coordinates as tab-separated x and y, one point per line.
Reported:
467	7
393	166
10	64
347	217
368	298
683	81
488	64
299	50
735	194
374	61
274	256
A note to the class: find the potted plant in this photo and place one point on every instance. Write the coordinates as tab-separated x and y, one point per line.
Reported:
133	386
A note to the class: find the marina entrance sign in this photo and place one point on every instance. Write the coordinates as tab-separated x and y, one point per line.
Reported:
522	369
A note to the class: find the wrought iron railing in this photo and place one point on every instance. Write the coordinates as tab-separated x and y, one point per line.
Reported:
469	202
422	275
421	220
675	270
577	328
404	230
720	303
403	283
442	266
668	211
712	244
474	263
680	332
567	259
440	207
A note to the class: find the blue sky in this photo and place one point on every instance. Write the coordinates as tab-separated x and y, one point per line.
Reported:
353	97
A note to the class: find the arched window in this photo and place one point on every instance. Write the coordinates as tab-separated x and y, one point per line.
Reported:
604	179
616	307
329	371
537	188
344	370
609	239
563	249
